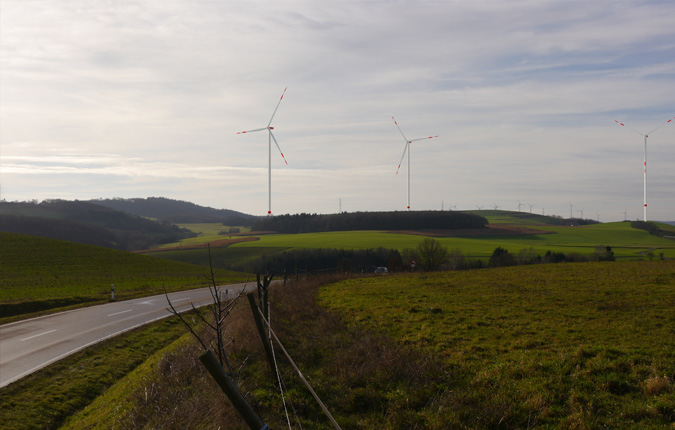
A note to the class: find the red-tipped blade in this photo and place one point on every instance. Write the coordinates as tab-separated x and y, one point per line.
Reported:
279	148
399	129
631	128
275	109
251	131
405	148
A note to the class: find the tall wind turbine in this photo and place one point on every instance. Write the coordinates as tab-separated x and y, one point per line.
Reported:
645	135
270	137
407	148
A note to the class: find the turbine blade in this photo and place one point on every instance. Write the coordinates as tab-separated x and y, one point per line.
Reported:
624	125
251	131
275	109
423	138
276	143
399	129
659	127
405	148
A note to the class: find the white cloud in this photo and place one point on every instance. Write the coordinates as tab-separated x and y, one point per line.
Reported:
127	98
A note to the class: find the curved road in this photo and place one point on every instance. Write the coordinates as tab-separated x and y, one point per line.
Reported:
29	345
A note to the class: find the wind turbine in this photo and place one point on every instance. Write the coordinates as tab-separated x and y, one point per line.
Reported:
531	206
645	135
581	211
270	137
625	214
495	206
519	205
407	148
479	207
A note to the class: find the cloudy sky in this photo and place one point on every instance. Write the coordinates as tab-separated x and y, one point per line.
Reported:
114	98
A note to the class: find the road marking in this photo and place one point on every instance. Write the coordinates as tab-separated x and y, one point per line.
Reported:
117	313
180	300
31	337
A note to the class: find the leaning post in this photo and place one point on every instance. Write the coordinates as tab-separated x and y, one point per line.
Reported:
261	331
230	389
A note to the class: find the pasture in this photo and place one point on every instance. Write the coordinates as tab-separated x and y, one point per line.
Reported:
574	345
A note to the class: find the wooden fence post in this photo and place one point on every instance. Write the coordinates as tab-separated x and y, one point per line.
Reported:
261	331
217	372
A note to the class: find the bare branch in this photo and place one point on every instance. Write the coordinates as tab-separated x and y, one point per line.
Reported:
176	313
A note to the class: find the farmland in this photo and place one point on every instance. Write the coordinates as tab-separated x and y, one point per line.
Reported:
38	273
511	230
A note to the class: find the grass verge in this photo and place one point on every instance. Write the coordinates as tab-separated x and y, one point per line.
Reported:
44	399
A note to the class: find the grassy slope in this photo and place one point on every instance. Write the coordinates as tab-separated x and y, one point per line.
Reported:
582	345
47	397
37	269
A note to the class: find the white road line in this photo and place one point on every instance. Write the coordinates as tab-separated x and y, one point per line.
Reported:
180	300
117	313
31	337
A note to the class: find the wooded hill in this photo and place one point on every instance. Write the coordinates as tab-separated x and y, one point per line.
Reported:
88	223
176	211
416	220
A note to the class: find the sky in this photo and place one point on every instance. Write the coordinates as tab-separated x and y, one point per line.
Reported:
144	98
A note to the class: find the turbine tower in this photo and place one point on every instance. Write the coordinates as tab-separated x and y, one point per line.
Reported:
270	137
407	148
645	135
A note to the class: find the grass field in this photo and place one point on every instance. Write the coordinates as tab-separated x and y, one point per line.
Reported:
627	243
38	273
575	345
206	232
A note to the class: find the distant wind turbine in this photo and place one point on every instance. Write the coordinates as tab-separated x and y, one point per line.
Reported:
407	149
495	206
581	211
269	152
479	207
519	205
645	135
531	206
625	214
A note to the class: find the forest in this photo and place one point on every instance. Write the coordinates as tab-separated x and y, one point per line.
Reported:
415	220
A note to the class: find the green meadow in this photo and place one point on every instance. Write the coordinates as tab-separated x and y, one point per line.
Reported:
38	274
573	345
628	243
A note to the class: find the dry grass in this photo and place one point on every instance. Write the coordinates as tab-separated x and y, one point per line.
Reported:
657	385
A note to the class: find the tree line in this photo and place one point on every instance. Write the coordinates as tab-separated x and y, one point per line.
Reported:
415	220
428	255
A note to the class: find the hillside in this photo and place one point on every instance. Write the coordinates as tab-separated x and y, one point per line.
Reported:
40	273
176	211
88	223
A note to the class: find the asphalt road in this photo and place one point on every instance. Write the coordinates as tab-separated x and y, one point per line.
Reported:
29	345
